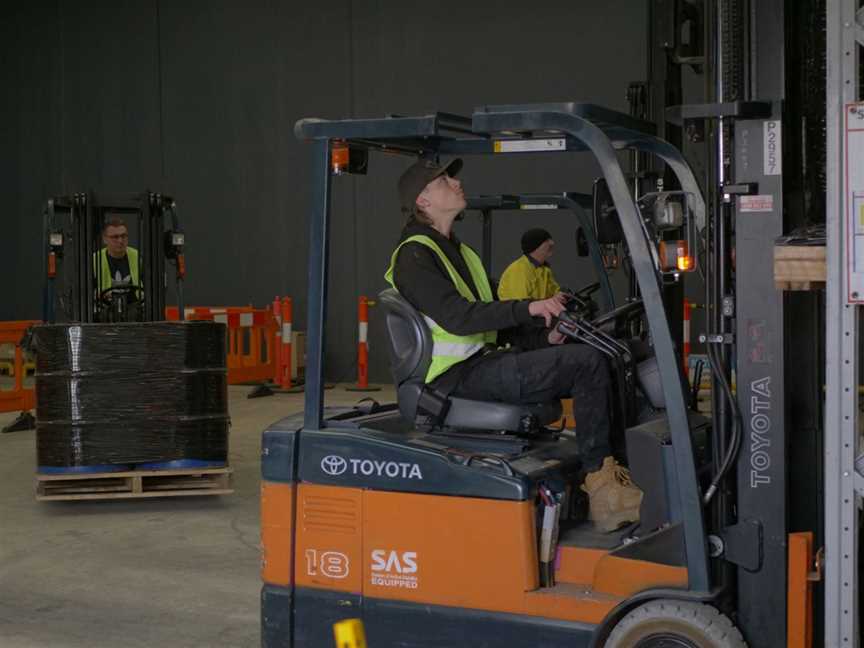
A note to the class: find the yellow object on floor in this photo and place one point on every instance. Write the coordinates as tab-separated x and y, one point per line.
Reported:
349	634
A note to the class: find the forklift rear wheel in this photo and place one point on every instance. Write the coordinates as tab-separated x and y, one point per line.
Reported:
675	624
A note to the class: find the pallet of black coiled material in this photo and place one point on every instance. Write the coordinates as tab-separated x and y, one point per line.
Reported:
118	395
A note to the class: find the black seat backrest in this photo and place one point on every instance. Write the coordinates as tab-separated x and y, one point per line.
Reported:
409	343
409	338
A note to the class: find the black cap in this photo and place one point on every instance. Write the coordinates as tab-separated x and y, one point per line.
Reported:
418	175
534	238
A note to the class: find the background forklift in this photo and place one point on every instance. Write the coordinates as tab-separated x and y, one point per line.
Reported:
72	227
72	237
440	528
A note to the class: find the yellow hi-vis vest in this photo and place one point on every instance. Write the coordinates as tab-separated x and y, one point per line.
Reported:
449	349
105	277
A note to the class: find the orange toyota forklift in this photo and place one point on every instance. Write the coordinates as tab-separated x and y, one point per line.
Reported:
450	522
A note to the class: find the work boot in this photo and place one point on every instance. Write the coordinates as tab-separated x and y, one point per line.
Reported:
613	499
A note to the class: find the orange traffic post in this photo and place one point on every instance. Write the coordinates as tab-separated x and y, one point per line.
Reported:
362	383
264	359
287	324
277	324
284	379
277	349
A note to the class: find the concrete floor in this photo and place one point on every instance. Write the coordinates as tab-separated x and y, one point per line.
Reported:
161	572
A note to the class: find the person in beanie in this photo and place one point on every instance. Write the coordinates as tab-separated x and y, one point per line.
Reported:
529	276
445	281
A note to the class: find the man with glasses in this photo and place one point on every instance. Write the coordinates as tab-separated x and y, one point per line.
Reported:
117	262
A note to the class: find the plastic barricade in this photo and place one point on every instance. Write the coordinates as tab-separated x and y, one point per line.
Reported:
19	398
252	347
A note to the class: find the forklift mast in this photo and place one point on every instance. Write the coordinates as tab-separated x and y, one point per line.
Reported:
740	87
72	228
729	125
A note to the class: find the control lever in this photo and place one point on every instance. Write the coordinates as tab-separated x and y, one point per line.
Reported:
568	324
580	301
618	354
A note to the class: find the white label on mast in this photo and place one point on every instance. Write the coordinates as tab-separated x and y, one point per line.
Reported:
773	140
530	145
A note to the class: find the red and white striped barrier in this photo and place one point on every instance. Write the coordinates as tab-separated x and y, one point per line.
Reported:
286	321
362	383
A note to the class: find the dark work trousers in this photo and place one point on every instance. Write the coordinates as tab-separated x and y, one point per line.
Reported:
572	371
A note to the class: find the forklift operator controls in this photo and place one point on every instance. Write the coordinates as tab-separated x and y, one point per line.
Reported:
445	281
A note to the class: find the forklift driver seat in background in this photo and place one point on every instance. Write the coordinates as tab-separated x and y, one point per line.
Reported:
410	345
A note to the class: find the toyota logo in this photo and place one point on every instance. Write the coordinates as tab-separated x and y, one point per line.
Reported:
334	465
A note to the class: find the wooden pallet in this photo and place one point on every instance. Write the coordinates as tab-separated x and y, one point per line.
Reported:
799	285
799	267
135	484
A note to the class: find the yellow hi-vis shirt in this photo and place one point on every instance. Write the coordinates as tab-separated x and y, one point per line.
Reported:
102	268
524	279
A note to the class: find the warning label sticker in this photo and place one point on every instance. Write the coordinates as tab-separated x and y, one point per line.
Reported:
761	203
530	145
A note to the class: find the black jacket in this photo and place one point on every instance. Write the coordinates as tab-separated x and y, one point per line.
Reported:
422	279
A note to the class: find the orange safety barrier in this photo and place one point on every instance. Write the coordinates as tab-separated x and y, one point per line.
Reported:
252	346
18	399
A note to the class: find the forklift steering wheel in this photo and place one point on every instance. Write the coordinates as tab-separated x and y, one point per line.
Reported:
621	314
580	301
586	291
103	295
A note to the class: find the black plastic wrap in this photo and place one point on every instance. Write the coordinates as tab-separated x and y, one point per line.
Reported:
123	394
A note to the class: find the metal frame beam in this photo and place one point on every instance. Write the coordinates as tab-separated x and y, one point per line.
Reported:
842	353
319	247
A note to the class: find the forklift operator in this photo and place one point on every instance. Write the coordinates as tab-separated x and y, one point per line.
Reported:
529	276
119	261
445	281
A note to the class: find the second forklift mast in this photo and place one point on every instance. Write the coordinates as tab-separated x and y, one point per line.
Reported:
73	227
738	86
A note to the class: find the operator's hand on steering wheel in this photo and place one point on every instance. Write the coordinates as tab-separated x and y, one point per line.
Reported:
547	308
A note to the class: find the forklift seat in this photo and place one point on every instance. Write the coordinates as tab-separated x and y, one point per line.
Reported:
410	345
